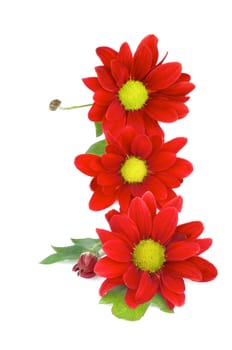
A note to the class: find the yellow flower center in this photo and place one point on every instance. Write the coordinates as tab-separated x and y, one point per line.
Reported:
133	95
149	255
134	170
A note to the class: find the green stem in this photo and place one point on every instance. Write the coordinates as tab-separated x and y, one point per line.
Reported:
74	107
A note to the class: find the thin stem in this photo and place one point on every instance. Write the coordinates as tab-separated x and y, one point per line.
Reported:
74	107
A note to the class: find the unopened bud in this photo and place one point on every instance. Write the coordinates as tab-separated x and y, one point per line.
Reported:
85	265
54	104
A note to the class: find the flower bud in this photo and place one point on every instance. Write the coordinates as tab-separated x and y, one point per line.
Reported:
54	104
85	265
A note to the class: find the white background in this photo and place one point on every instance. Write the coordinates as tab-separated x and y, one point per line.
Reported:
46	47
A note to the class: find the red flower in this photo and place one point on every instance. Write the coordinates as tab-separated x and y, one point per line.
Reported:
134	163
85	265
136	90
148	253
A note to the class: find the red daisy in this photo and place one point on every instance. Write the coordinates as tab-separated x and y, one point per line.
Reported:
148	253
136	90
134	163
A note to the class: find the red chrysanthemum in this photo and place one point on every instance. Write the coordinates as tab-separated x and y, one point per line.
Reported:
134	163
136	90
148	253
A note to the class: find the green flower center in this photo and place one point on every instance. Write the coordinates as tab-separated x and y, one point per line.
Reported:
149	255
133	95
134	170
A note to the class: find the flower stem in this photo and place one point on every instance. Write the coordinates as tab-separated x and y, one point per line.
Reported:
74	107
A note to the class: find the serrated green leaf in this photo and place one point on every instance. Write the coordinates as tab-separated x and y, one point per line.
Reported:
72	253
51	259
97	148
116	297
88	243
98	128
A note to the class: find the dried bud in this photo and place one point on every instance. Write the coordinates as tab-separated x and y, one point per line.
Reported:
85	265
54	104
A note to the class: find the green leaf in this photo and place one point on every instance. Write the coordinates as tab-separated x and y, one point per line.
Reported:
51	259
98	128
116	297
159	302
92	245
119	308
73	252
97	148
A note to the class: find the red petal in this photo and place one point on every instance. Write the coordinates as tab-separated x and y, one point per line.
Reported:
151	41
169	180
206	268
109	179
126	138
152	127
160	112
124	198
177	299
115	111
163	76
181	250
185	269
97	112
170	195
154	185
149	199
161	161
141	146
175	145
92	83
164	224
117	250
126	228
181	168
176	202
111	213
135	119
119	72
130	298
147	288
142	63
105	79
106	54
204	244
103	97
88	164
112	162
104	235
176	284
180	108
109	284
108	268
191	229
141	215
100	201
180	88
125	55
131	277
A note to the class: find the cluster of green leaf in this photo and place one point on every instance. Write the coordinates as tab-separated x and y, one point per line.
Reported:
72	252
116	297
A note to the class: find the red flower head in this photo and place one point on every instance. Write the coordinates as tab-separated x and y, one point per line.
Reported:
148	253
136	90
134	163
